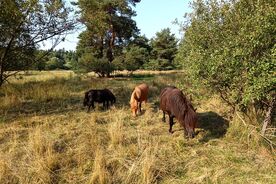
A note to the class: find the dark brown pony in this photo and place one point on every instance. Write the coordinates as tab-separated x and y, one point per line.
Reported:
175	104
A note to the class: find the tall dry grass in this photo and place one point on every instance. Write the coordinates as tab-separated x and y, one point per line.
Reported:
46	136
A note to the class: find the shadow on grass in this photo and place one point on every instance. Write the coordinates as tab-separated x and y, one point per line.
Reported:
136	77
49	107
213	125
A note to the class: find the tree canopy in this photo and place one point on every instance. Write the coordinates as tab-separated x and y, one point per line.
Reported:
25	24
164	49
109	27
230	47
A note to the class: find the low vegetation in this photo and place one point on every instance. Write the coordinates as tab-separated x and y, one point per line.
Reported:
46	136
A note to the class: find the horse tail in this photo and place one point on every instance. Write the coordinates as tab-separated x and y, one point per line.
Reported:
86	94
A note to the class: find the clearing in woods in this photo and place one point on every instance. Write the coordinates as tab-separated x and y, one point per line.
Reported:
46	136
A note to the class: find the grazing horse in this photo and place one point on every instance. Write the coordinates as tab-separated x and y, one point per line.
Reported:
110	96
175	104
139	94
98	95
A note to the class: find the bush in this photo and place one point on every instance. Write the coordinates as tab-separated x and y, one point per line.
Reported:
100	66
230	47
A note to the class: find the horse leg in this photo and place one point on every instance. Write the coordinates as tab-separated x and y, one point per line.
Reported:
104	105
89	106
140	105
171	124
107	104
164	118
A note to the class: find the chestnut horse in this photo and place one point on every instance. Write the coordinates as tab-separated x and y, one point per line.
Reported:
139	94
175	104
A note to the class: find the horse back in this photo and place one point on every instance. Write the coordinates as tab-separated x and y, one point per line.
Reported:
164	97
142	92
173	101
97	95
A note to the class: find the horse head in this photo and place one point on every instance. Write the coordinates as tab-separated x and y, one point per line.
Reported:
134	107
190	122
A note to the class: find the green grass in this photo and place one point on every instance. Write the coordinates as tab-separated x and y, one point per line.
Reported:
46	136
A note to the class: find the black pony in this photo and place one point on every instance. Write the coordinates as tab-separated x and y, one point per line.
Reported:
98	95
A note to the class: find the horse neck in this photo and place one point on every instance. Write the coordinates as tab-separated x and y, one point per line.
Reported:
190	117
132	98
182	109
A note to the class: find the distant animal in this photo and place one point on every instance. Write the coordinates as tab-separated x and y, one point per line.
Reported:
98	95
139	94
176	105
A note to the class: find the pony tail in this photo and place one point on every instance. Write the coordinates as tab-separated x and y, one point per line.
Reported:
86	94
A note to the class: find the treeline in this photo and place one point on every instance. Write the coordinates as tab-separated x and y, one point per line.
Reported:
55	60
140	53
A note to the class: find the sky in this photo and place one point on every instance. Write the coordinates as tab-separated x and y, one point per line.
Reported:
152	16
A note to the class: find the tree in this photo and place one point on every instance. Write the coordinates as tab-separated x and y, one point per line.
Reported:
53	64
142	42
101	66
41	56
134	55
164	49
25	24
71	60
230	47
109	27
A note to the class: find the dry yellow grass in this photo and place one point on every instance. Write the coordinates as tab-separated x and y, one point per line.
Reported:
46	136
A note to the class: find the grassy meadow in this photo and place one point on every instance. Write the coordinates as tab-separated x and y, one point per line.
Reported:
46	136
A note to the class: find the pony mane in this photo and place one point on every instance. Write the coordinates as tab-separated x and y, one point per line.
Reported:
183	109
136	95
132	99
190	118
179	101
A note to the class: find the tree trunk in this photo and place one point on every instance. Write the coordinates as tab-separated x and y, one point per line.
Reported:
1	71
1	78
268	116
109	54
101	47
